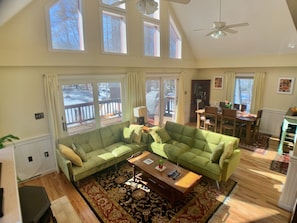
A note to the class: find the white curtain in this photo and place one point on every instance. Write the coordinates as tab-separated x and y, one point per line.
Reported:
134	93
229	85
180	114
258	90
51	89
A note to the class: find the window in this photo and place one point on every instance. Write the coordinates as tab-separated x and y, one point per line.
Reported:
175	43
161	99
88	104
114	32
66	25
151	39
243	91
115	3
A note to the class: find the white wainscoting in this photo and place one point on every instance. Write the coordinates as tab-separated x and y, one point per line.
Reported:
271	121
35	148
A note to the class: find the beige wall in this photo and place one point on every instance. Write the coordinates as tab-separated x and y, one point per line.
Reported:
272	100
24	58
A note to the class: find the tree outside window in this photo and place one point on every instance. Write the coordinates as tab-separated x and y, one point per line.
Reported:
66	26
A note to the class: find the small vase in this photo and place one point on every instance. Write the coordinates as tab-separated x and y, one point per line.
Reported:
161	163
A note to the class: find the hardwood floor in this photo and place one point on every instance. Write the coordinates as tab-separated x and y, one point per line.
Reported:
254	200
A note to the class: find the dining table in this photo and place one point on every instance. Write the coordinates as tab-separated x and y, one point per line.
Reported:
242	117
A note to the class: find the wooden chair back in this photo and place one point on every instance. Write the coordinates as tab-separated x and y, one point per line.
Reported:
211	117
228	120
236	106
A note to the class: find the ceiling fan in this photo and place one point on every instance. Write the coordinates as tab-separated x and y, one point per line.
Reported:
220	28
148	6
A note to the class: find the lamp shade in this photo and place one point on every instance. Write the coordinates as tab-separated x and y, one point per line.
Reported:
140	111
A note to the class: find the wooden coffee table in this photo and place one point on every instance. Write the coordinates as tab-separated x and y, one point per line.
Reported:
158	180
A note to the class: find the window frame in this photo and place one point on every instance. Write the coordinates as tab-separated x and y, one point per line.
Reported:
49	31
179	44
116	12
155	25
93	80
249	76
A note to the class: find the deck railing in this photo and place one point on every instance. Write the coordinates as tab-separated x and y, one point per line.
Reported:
81	113
84	112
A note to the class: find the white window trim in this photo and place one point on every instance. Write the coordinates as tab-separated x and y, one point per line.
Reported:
179	43
156	37
117	13
48	26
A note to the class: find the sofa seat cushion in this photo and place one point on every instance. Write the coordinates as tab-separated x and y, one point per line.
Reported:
200	164
174	149
119	149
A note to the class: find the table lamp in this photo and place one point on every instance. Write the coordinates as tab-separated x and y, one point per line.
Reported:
140	113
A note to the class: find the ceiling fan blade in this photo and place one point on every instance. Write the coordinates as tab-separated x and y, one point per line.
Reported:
229	30
212	32
237	25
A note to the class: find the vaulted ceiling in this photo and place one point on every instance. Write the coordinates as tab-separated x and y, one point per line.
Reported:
271	30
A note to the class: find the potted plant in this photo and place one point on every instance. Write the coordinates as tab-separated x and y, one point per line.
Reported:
7	138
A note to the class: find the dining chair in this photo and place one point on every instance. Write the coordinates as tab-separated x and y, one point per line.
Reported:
236	106
211	118
228	121
256	126
243	108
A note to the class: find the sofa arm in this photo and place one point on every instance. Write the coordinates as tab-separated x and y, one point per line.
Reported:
65	165
230	164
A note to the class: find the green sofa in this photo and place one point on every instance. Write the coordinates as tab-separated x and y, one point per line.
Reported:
208	153
84	154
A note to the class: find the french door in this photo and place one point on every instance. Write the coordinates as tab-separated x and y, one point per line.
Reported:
161	99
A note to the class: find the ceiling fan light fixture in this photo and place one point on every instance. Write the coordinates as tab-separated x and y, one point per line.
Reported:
218	34
147	7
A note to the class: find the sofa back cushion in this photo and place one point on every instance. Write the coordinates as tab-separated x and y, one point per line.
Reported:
88	141
180	133
208	141
113	133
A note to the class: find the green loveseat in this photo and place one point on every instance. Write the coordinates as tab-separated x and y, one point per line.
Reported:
208	153
84	154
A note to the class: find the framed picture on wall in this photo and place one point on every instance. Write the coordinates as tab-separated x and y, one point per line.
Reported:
218	82
285	85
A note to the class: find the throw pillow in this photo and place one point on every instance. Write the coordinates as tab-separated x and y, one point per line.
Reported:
127	135
164	136
68	153
228	149
155	135
80	152
137	133
216	154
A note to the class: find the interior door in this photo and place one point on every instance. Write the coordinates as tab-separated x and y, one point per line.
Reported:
200	92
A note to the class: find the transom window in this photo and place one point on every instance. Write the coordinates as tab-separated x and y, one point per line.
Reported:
114	32
151	39
115	3
66	25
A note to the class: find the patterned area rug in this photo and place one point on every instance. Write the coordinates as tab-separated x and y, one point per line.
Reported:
280	163
260	145
115	197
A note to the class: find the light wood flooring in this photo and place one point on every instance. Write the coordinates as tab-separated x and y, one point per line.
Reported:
255	198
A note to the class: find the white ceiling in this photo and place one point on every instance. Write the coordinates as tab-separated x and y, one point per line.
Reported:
270	29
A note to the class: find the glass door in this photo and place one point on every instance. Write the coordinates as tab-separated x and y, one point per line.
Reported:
161	100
